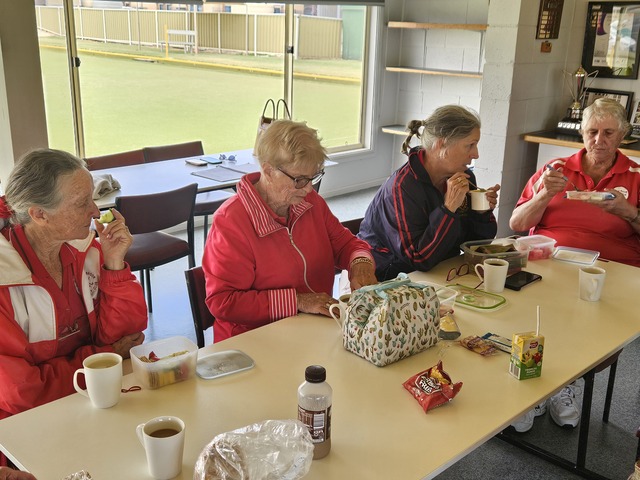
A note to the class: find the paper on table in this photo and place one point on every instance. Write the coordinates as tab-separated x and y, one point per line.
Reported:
219	174
244	167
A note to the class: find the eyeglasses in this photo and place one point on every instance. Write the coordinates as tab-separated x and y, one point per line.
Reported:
460	271
301	182
230	158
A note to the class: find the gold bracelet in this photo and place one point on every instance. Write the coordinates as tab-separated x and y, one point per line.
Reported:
357	260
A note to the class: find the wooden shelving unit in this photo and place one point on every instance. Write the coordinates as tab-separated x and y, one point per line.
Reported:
434	71
396	130
477	27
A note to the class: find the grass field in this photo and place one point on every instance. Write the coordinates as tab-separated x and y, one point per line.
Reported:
128	104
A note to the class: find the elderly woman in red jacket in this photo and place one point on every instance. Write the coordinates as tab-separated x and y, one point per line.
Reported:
273	248
63	294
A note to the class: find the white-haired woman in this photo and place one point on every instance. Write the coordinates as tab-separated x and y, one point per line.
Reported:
611	227
63	294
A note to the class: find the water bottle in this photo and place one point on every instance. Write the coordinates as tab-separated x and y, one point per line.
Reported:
314	408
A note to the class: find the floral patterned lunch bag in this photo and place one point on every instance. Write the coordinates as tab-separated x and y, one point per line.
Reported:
391	320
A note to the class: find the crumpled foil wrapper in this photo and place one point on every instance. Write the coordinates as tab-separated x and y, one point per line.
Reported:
83	475
269	450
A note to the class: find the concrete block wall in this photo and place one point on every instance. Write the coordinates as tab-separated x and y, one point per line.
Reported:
459	50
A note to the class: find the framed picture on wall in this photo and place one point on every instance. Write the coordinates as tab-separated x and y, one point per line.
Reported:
624	98
635	121
611	39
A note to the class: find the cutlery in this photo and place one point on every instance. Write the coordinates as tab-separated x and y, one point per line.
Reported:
549	167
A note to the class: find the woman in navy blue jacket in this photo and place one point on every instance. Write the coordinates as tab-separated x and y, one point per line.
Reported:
422	213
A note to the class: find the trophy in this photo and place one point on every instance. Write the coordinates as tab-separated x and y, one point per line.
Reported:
577	83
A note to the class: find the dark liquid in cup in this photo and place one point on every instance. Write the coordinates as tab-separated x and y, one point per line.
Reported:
164	433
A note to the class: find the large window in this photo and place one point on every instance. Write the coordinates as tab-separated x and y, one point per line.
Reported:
154	77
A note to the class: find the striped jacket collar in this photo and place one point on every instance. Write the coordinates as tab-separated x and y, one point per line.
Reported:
262	217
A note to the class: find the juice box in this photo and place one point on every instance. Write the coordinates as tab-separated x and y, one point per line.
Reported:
526	355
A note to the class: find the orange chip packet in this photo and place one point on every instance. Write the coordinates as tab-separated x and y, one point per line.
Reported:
432	387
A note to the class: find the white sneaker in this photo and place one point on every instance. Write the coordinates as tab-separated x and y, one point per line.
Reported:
565	407
540	409
524	423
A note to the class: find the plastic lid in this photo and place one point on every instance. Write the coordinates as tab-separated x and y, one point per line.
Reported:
479	300
315	374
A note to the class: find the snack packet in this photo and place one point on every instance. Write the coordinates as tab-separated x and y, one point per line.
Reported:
478	345
432	387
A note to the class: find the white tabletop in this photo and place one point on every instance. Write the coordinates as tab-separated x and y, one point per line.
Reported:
146	178
154	177
379	430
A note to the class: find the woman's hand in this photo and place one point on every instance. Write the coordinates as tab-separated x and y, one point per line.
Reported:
7	473
361	275
115	240
553	181
457	189
492	196
122	346
315	303
618	206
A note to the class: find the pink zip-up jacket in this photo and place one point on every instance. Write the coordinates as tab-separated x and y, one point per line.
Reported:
254	265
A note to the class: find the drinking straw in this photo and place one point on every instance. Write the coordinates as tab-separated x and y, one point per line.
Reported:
538	321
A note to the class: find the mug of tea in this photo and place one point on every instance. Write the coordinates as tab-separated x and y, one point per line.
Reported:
339	310
479	200
494	274
163	442
103	377
591	281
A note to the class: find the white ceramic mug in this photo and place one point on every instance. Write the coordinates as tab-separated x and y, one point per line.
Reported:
339	310
591	281
494	274
163	442
103	377
479	200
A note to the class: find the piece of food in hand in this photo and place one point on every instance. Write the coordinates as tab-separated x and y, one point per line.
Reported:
107	217
432	387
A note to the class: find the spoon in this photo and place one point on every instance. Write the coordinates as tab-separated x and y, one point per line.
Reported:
549	167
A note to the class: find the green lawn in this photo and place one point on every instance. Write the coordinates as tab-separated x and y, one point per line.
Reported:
129	104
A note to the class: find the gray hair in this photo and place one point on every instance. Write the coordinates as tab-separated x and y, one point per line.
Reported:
449	123
606	107
35	180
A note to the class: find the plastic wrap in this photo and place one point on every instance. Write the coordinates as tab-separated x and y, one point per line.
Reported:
269	450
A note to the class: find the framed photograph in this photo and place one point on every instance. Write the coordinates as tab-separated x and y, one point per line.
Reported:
611	39
624	98
635	121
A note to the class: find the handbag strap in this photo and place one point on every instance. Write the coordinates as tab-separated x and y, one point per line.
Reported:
273	108
285	109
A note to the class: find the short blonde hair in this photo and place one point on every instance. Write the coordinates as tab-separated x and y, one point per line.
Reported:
290	143
606	107
35	181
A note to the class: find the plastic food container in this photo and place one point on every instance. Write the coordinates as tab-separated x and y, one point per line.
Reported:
541	247
517	259
446	295
170	368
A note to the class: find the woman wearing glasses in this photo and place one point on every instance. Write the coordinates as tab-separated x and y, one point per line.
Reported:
421	214
273	248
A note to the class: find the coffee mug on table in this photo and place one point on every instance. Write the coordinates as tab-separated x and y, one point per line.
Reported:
479	200
339	310
591	281
103	377
163	442
494	274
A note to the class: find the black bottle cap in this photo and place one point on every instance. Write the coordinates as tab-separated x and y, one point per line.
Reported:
315	374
